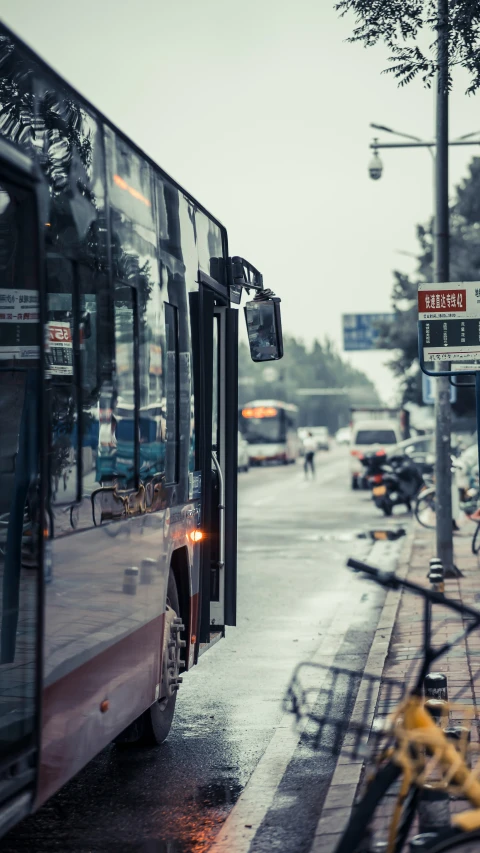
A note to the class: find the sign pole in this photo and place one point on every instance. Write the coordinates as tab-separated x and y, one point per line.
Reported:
477	404
443	477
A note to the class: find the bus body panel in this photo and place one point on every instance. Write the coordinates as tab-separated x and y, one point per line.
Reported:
122	248
74	727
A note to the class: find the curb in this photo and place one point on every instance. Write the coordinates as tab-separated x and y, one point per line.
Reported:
239	828
346	777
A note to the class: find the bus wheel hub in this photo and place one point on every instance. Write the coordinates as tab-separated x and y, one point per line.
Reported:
172	649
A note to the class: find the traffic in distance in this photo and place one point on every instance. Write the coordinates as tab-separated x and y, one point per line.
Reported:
398	470
119	429
394	461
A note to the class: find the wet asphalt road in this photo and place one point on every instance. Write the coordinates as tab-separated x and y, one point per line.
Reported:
294	537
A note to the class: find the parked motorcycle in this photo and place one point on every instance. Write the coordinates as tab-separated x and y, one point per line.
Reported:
394	480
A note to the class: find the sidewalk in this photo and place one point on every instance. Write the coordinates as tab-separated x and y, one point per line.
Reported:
394	654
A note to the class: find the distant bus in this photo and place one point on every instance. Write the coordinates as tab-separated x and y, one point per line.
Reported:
118	433
270	427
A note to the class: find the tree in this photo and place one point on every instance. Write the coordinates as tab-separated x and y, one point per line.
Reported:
319	367
398	23
401	335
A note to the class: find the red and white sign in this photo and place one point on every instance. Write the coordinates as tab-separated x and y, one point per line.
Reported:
59	332
452	301
442	301
449	316
59	348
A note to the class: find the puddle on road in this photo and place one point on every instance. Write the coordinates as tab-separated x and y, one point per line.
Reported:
319	536
391	532
201	819
258	548
216	794
335	536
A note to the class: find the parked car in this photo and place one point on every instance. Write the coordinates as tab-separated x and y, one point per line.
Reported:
419	448
367	436
343	435
320	434
243	454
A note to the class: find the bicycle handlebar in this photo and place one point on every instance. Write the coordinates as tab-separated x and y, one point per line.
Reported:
391	581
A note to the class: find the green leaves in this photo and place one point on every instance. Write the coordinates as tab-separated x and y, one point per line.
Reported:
399	23
318	366
401	336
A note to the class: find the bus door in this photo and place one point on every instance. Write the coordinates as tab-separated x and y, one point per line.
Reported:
21	505
215	343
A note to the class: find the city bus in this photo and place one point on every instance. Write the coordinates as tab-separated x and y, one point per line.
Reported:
270	427
118	433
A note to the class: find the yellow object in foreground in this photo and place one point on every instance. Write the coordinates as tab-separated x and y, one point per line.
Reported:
415	727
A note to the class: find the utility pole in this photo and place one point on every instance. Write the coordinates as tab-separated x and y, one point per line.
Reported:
443	418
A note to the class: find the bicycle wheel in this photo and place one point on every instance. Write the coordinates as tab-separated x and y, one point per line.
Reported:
476	541
467	842
4	519
358	830
425	508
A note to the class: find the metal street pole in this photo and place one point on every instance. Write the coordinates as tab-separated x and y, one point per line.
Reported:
443	418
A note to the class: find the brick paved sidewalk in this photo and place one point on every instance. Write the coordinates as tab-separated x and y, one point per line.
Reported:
394	654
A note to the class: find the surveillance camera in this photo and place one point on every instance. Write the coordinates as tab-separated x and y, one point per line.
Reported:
375	167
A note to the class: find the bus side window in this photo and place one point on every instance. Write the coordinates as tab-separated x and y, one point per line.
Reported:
63	400
95	361
121	460
152	378
172	393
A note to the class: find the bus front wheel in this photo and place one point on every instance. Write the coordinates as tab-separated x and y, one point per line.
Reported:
153	726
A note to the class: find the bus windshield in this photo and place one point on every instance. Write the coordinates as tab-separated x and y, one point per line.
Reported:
262	425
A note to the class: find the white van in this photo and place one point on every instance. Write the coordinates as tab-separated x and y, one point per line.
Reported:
367	436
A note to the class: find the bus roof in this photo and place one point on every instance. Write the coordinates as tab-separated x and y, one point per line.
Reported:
278	404
36	59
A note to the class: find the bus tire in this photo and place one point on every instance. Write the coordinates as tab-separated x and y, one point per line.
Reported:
153	726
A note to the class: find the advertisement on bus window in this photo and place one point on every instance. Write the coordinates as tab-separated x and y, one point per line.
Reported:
19	317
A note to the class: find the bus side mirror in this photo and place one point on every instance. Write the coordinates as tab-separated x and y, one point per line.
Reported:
264	329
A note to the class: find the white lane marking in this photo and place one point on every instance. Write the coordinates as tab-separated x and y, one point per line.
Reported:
240	827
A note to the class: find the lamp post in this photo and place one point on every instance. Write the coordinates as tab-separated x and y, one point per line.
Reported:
444	537
375	167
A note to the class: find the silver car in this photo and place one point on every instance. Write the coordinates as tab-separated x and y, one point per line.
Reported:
243	453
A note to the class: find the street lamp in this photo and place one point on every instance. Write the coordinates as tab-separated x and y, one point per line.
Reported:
375	167
441	145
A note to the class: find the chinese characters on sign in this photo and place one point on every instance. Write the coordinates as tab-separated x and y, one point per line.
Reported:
19	318
363	331
449	321
448	300
59	349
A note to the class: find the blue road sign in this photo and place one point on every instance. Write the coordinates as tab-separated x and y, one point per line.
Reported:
428	390
362	331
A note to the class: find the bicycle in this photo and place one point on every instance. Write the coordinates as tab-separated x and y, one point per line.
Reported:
409	752
425	512
475	517
425	507
476	538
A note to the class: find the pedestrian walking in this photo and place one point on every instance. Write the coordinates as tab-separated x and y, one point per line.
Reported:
309	448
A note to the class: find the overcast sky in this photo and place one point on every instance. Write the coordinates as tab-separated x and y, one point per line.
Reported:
261	110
